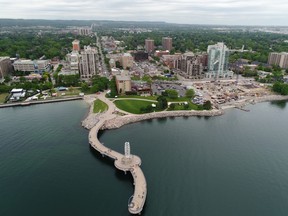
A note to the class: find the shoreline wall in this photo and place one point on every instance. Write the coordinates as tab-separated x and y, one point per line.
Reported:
129	119
40	102
119	121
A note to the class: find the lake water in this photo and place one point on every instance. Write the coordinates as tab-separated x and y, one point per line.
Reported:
230	165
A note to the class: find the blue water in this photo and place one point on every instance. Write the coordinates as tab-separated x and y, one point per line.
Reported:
235	164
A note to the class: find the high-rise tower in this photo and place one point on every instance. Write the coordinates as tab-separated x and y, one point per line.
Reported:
218	57
167	43
76	45
88	63
149	45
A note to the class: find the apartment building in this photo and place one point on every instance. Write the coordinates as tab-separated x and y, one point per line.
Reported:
88	62
279	59
218	58
5	67
167	43
149	46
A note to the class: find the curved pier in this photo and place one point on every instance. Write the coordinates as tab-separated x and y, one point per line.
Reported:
131	164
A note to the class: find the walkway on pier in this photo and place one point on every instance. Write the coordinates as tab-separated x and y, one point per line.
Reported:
140	191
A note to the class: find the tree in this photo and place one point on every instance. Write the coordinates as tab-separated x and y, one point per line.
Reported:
7	79
146	109
22	79
101	82
84	87
95	88
118	65
281	88
172	106
162	103
207	105
190	93
113	87
173	94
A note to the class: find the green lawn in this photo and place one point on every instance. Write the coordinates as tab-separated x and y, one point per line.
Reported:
99	106
191	107
3	97
70	92
137	96
180	99
132	106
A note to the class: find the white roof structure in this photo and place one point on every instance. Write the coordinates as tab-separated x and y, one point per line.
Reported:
16	90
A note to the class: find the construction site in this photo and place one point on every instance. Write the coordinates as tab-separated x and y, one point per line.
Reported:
230	92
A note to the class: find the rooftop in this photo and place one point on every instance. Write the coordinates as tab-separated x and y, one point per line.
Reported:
123	78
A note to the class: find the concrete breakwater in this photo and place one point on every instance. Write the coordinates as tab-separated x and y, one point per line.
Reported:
122	162
129	119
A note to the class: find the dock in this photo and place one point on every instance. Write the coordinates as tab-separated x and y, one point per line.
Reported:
122	162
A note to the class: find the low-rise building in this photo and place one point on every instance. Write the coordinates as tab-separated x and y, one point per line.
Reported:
123	83
112	63
127	61
37	66
160	53
142	88
140	56
17	94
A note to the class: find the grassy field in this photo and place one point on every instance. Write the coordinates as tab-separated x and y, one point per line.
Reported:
2	97
132	106
69	92
140	97
179	99
99	106
181	107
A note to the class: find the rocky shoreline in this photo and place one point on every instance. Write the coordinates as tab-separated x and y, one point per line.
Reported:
255	100
129	119
118	121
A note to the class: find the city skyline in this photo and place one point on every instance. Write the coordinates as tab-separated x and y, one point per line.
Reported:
220	12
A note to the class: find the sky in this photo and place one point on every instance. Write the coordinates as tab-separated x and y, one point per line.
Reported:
226	12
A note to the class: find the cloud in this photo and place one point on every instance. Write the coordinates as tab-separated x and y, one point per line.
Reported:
239	12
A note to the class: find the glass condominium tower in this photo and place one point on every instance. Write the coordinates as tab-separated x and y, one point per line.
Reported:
218	58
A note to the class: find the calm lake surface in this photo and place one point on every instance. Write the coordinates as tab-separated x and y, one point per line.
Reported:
232	165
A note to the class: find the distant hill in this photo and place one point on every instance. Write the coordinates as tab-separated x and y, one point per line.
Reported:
65	23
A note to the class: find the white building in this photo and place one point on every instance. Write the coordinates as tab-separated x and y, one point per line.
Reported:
88	62
218	59
37	66
17	94
85	31
73	60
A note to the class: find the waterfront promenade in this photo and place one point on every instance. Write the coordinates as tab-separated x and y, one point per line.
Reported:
64	99
132	165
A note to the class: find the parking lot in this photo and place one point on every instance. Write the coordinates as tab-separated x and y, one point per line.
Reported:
159	87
